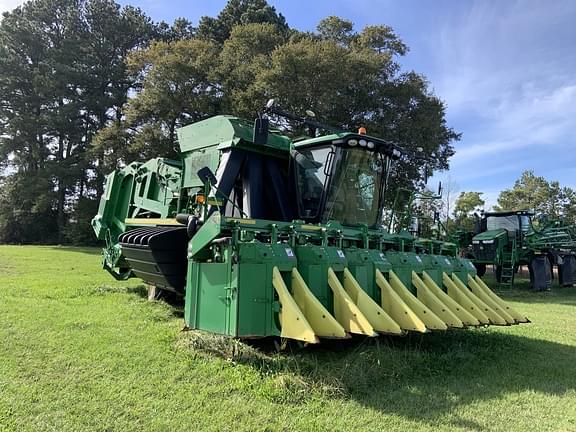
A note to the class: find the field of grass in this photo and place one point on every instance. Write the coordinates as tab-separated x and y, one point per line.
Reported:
81	352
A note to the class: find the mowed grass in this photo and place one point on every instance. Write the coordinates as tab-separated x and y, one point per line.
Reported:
81	352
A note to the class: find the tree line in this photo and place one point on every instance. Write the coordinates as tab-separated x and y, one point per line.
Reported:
87	86
529	192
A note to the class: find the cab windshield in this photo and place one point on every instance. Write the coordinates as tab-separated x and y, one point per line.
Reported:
509	223
341	184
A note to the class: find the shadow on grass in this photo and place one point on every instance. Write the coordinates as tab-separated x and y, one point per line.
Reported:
139	290
418	377
565	296
557	295
175	301
522	292
76	249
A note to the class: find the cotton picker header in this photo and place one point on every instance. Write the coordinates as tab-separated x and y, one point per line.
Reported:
266	236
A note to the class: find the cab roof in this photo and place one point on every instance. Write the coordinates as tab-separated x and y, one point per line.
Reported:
509	213
342	139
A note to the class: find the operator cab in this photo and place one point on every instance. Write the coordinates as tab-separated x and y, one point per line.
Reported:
511	221
342	177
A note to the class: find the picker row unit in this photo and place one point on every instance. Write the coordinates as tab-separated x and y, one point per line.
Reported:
265	236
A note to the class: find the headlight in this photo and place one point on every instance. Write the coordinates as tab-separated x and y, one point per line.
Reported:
370	145
362	143
352	142
475	242
488	241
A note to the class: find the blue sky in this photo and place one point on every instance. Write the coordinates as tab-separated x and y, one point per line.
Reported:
505	69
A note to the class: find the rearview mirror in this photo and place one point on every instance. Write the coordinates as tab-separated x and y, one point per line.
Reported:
207	176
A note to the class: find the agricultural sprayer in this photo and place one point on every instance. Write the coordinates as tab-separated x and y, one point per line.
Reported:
266	236
509	239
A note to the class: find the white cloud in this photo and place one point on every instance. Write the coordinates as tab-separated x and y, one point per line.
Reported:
505	70
7	5
482	54
490	198
525	120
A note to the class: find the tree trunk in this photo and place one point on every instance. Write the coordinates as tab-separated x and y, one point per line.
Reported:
61	215
100	177
61	197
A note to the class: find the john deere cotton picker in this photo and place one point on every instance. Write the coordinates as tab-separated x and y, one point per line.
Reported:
265	236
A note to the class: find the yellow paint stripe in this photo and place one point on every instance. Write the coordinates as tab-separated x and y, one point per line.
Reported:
310	227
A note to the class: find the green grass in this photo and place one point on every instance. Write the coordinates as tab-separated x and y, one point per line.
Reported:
81	352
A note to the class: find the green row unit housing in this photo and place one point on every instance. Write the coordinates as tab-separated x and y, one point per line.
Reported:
214	301
236	297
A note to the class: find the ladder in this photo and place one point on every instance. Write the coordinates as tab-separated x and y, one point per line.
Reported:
508	261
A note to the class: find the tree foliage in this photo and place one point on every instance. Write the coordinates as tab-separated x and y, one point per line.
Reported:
427	209
87	85
175	89
348	78
240	12
466	204
63	77
531	192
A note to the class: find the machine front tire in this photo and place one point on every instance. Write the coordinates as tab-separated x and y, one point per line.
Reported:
537	282
498	273
480	269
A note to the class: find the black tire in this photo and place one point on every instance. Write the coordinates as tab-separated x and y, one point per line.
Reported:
498	273
536	281
192	226
480	269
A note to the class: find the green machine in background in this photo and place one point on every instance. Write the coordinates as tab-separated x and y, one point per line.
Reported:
509	239
266	236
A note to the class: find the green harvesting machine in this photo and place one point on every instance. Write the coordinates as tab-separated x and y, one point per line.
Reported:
267	236
509	239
